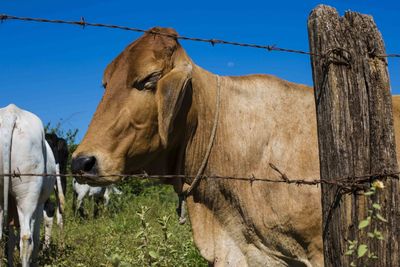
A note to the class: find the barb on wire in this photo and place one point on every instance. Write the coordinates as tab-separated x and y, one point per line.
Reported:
83	22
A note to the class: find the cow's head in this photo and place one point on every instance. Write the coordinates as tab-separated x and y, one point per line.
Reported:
137	116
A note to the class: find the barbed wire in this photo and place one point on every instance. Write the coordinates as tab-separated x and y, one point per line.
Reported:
83	23
346	184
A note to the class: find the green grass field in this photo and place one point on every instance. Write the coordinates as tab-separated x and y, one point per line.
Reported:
138	228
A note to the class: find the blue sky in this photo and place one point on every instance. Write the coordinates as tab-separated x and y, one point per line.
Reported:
55	70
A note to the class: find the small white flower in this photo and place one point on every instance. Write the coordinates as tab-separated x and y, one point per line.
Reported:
378	184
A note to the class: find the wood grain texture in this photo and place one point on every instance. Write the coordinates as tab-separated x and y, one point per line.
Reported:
355	130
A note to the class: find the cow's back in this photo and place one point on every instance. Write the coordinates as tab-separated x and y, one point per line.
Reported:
29	152
27	147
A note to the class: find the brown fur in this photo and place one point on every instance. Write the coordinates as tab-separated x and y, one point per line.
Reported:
263	120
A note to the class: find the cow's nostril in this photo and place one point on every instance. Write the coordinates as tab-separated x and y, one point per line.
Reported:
83	163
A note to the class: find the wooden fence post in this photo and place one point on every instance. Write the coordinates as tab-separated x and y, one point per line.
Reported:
355	132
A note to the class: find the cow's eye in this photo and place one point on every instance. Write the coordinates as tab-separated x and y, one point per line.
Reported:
148	83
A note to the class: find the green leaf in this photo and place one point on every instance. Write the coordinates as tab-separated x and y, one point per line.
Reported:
376	206
370	192
352	242
371	235
349	252
380	217
378	235
362	249
139	234
352	264
363	223
370	255
153	254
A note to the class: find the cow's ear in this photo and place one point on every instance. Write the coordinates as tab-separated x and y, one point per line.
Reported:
171	90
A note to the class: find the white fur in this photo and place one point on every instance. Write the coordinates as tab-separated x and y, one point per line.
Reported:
30	153
48	213
97	192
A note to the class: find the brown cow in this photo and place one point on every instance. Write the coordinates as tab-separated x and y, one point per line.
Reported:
158	113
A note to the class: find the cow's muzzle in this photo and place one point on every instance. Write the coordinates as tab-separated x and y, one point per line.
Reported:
86	171
83	164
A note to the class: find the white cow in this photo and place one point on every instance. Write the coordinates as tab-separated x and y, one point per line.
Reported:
23	149
59	148
98	193
50	208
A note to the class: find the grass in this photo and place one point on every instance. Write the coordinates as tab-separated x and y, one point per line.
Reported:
138	228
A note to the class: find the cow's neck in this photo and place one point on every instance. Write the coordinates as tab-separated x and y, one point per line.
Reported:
200	119
190	144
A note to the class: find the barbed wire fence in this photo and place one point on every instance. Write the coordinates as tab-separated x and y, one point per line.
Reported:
346	184
83	23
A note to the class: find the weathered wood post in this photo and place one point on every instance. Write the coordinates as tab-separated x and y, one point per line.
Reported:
355	132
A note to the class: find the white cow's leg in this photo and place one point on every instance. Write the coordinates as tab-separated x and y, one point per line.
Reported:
97	201
35	225
79	203
26	213
26	238
60	221
60	196
48	227
60	224
48	215
106	198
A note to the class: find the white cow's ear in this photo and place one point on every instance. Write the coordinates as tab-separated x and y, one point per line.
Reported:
170	93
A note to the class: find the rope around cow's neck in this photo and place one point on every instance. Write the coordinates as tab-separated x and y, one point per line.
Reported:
197	178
